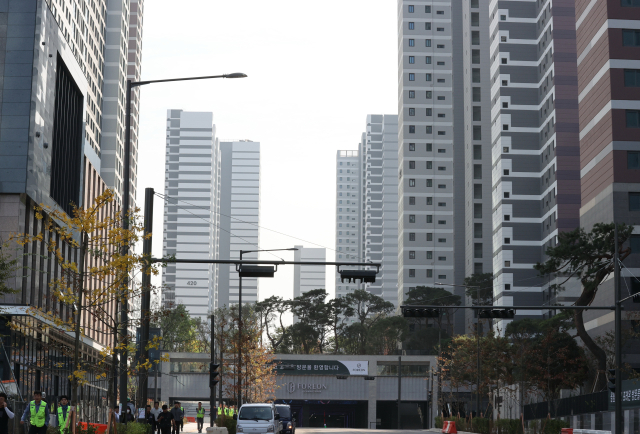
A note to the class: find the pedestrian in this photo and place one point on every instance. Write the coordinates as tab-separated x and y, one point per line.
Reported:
37	414
131	406
5	414
63	415
220	409
165	420
149	417
156	411
128	416
200	416
116	414
178	415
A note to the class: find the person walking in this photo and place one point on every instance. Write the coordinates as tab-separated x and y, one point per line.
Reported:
63	415
220	409
116	414
149	417
37	414
156	411
165	420
200	416
5	414
178	415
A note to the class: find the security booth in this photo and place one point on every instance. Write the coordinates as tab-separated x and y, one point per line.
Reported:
356	391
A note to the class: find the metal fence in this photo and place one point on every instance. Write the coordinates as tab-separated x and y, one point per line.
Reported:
591	403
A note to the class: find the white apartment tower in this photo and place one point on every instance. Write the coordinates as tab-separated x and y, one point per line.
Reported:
123	47
190	210
239	207
309	277
348	214
431	224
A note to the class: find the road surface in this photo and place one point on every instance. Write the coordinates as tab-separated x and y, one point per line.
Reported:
191	428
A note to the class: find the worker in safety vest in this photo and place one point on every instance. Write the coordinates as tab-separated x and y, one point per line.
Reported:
200	416
37	414
227	411
63	415
220	409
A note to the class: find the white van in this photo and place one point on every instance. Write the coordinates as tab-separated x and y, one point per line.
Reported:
258	419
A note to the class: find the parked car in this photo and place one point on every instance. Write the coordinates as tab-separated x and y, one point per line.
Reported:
258	419
287	418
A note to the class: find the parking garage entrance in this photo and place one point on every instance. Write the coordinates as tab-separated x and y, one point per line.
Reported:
329	414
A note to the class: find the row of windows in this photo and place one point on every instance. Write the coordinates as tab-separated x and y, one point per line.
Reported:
427	9
427	43
412	273
427	60
412	255
428	130
428	95
427	77
412	147
427	26
412	218
412	237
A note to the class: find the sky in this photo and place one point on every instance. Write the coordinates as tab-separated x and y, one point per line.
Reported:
315	70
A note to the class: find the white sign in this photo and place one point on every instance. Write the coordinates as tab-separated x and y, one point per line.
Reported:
356	367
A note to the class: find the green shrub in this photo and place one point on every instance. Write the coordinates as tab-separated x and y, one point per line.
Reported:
137	428
438	422
229	422
554	426
480	425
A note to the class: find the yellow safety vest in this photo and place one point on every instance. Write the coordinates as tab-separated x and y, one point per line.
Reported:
200	413
62	419
220	410
37	419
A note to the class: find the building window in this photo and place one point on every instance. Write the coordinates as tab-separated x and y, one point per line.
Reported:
440	46
505	127
429	130
507	286
507	263
441	80
428	112
633	118
477	210
411	26
632	77
429	94
427	77
442	276
429	201
412	112
427	42
429	236
634	242
631	3
412	42
475	19
442	240
410	9
442	186
412	236
412	183
412	164
429	273
633	160
477	230
427	26
477	94
442	204
429	164
477	113
429	147
634	201
429	255
427	9
477	132
429	182
412	200
412	218
475	75
412	94
475	37
412	272
440	12
412	146
412	59
412	76
477	152
475	57
427	60
631	38
429	218
412	129
477	171
477	268
507	240
477	250
440	63
412	254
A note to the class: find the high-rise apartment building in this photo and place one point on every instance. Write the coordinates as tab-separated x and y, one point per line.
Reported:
478	244
379	202
431	241
535	144
239	205
348	214
122	62
608	60
309	277
190	209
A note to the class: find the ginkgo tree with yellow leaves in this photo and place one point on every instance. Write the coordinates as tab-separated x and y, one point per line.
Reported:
96	285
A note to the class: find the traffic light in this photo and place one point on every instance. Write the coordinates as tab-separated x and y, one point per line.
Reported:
256	270
365	276
612	380
213	374
420	312
497	313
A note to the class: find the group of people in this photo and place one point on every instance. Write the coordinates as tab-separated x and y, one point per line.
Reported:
162	421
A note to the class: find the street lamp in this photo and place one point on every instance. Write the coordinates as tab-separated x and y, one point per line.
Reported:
250	271
146	297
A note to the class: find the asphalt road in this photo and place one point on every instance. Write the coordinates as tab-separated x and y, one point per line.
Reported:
353	430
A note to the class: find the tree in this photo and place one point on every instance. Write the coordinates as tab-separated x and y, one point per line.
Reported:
386	333
339	311
97	282
179	330
311	328
588	257
480	288
269	310
368	309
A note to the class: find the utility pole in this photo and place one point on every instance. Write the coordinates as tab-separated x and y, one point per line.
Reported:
618	338
212	397
399	388
239	368
145	311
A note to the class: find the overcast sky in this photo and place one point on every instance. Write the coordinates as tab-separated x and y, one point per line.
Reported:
316	69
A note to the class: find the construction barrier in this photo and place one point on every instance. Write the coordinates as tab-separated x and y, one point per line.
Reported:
101	428
449	427
566	431
191	419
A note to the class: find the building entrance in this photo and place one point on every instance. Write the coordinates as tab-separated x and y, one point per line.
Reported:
330	413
